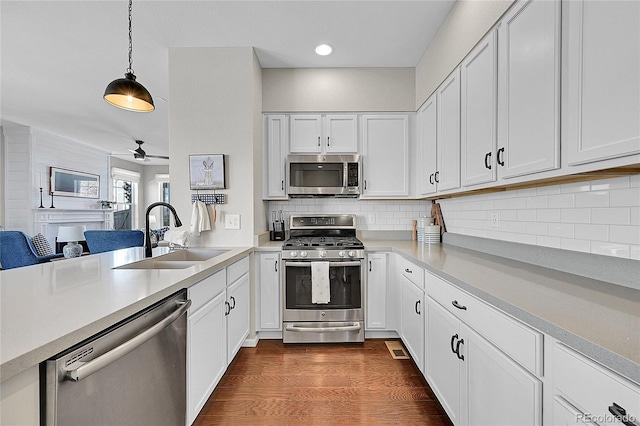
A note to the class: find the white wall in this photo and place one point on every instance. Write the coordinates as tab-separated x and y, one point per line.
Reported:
338	89
599	216
466	24
212	106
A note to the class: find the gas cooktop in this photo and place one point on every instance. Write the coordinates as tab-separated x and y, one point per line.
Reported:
323	237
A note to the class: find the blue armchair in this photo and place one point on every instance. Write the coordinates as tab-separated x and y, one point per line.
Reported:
101	241
17	249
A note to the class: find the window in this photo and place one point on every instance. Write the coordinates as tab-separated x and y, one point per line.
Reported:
163	195
125	194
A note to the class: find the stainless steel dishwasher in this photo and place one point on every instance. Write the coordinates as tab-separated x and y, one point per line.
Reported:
133	373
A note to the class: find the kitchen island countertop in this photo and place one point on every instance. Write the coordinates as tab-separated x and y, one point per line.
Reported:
46	308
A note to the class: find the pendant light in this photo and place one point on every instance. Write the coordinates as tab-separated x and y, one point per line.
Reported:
127	93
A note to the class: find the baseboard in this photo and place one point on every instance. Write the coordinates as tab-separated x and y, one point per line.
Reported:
380	334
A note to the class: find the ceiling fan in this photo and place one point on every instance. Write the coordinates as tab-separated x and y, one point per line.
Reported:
140	154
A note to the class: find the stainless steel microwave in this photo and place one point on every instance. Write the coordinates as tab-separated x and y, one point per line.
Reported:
323	175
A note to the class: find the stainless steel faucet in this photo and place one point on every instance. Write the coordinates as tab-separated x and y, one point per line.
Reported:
147	238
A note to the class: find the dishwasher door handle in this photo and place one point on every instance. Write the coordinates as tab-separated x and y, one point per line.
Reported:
88	368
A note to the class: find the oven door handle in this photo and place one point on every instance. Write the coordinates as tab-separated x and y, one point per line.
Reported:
353	327
307	264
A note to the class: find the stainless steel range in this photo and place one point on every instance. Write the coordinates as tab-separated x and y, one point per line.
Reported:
323	280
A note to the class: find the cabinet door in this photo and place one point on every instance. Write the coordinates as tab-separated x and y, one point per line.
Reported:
377	288
238	315
498	391
601	89
206	353
412	313
442	363
306	134
478	111
276	154
448	95
428	142
565	414
385	160
341	133
269	292
529	88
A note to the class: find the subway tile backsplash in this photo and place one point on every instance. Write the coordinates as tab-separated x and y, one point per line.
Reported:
600	216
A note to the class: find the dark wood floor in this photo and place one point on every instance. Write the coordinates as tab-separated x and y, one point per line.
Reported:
328	384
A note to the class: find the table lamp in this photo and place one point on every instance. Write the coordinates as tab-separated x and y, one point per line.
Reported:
71	235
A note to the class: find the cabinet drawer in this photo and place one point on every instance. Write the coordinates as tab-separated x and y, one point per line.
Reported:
203	291
519	341
238	269
414	273
592	388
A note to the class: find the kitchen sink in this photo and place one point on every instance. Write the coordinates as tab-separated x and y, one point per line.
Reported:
197	255
180	259
154	263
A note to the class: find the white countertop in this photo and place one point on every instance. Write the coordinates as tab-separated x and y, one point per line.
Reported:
599	319
47	308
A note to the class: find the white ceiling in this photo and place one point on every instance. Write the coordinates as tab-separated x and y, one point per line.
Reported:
57	57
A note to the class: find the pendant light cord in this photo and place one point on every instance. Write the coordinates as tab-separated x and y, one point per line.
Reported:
130	69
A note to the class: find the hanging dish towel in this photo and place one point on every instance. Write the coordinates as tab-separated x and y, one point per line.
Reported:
199	218
320	292
176	236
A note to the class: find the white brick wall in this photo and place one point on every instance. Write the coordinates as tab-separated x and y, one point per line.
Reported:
599	216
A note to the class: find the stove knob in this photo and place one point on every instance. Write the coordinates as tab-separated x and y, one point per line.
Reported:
341	253
303	253
352	253
294	254
323	253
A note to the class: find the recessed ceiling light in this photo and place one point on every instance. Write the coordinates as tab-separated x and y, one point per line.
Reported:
324	49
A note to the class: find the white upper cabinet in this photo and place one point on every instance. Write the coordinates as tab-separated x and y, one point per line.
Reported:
275	146
385	152
478	111
529	88
341	133
601	85
427	147
315	133
448	129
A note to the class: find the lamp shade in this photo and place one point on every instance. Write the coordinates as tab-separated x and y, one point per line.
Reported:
72	233
127	93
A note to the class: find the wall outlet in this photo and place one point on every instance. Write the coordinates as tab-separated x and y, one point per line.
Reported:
232	221
371	219
495	219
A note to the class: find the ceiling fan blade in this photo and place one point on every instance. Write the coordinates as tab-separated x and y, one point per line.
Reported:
164	157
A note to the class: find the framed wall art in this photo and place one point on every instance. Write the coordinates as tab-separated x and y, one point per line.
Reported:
207	171
69	183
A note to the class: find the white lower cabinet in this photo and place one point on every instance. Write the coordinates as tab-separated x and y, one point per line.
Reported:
378	303
442	366
268	293
217	325
206	341
412	315
238	305
496	390
584	391
476	383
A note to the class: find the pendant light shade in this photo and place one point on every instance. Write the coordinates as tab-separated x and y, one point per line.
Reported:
127	93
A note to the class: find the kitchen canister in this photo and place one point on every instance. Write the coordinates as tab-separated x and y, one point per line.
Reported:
428	233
